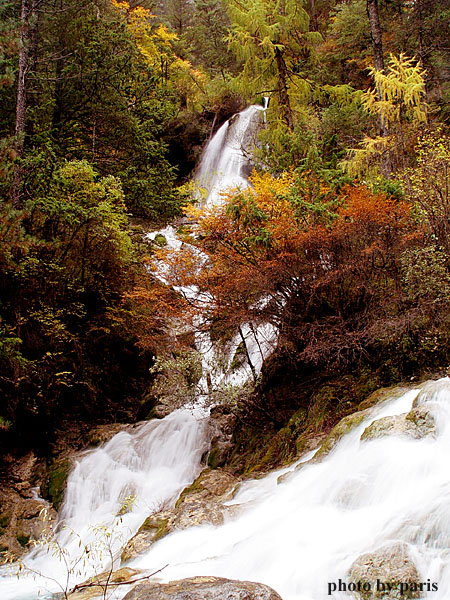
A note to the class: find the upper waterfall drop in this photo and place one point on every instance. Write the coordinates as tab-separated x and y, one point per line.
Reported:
227	158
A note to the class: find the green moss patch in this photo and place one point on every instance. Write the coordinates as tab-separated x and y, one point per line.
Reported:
54	486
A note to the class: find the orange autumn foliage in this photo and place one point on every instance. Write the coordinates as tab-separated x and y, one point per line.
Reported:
289	253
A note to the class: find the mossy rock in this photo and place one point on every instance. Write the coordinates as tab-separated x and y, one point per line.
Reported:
158	525
384	394
387	426
55	483
392	563
345	426
152	529
196	486
418	423
213	460
160	240
423	421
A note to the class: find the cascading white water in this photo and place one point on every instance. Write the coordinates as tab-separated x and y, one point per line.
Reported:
226	162
153	463
306	532
140	471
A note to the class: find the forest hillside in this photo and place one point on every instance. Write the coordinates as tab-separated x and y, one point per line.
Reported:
342	241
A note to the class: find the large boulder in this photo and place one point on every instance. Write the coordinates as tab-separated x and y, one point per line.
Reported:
203	588
201	502
391	564
417	424
221	424
23	515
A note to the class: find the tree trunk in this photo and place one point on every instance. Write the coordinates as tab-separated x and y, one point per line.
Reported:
377	45
314	26
283	91
32	98
376	34
59	88
21	105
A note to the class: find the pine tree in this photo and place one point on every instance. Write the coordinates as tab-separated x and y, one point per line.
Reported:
272	38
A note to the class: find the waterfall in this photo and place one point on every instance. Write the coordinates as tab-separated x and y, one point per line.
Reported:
304	533
227	159
114	488
110	492
226	164
296	534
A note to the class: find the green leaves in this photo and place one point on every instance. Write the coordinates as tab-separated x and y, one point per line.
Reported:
271	37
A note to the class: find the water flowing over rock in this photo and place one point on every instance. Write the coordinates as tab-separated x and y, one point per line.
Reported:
201	502
227	160
111	491
348	501
418	423
307	531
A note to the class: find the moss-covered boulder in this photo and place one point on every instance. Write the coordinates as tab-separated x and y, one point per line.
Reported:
154	528
160	240
101	434
391	563
417	424
423	421
345	426
201	502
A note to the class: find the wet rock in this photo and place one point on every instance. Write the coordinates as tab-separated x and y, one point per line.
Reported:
221	423
154	528
160	240
203	588
391	563
417	424
96	587
54	484
103	433
201	502
159	411
385	394
23	516
346	425
33	518
422	420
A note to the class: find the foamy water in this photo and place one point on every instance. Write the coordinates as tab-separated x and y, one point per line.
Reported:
305	532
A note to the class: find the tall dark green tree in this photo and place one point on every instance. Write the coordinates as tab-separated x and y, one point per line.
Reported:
272	38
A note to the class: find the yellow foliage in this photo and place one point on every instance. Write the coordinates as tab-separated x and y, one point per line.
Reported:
398	100
155	42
